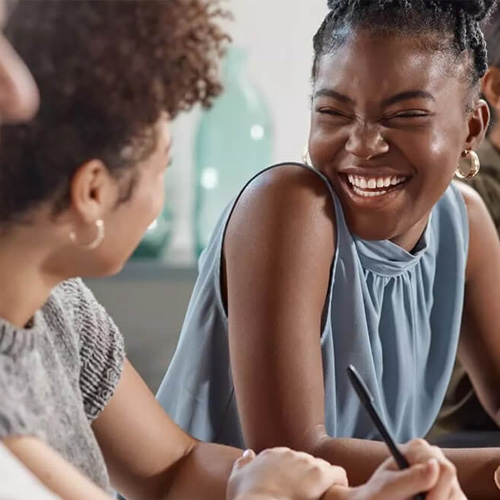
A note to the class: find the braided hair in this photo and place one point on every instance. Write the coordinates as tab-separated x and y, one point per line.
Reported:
451	26
491	30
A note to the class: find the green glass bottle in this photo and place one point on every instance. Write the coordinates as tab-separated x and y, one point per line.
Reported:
233	142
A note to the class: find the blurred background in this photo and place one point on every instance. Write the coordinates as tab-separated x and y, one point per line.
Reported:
262	118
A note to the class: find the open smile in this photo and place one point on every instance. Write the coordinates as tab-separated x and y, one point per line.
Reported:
373	190
374	186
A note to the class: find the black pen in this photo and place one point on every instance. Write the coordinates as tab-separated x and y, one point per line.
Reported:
369	403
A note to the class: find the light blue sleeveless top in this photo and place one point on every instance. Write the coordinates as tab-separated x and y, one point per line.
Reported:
394	315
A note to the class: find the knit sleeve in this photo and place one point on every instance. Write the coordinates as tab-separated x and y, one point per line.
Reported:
15	418
102	351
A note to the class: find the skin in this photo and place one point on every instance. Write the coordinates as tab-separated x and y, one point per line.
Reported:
35	257
276	276
18	92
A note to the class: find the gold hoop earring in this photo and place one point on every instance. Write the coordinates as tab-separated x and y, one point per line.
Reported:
306	159
472	168
96	241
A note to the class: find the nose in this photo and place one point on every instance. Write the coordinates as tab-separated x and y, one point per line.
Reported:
19	98
366	141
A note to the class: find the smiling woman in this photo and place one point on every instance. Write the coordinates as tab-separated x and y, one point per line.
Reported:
390	111
365	258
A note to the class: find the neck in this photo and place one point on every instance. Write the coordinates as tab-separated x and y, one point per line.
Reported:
25	286
409	240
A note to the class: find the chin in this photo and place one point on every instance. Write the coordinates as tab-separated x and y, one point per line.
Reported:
373	228
104	268
113	268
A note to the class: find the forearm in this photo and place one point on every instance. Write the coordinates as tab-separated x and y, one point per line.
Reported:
204	473
359	457
476	468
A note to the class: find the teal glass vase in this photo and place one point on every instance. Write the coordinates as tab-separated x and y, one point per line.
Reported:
233	142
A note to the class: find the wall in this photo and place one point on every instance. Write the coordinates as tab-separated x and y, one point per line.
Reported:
278	37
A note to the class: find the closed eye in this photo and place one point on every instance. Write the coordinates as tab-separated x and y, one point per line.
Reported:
413	118
332	112
410	114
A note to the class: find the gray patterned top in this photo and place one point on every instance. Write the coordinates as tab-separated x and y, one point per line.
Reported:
57	375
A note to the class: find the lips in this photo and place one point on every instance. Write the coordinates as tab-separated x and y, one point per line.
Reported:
372	188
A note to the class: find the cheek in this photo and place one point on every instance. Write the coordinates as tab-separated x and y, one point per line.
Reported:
433	154
145	206
152	200
325	143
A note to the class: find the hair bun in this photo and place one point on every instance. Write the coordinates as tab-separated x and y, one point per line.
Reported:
476	9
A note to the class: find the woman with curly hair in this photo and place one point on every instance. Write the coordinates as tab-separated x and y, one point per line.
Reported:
369	256
79	185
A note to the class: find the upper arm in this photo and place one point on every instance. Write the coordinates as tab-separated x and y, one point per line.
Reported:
140	443
278	252
479	348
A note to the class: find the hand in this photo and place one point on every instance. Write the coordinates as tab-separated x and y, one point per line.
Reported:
419	451
430	472
282	474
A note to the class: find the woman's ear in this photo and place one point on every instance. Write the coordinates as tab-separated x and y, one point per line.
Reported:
490	86
93	191
478	121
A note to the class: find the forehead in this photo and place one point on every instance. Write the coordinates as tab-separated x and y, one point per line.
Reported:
375	67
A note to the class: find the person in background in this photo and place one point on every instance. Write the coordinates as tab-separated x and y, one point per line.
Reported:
462	409
364	257
79	185
18	103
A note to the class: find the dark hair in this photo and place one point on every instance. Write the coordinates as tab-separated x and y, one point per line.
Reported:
450	26
107	71
491	29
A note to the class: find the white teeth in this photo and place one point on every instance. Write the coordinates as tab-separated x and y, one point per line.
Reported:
368	194
374	182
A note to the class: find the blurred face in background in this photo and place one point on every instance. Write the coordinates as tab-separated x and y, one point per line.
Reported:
18	92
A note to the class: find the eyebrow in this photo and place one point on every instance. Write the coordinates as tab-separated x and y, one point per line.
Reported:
402	96
335	95
405	96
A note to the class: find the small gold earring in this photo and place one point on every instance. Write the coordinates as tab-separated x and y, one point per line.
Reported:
95	242
472	167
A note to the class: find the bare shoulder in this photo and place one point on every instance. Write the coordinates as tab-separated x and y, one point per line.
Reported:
284	192
284	214
472	199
